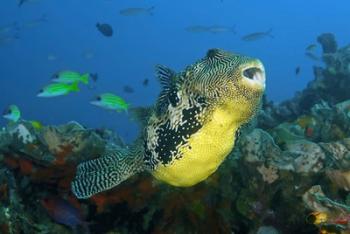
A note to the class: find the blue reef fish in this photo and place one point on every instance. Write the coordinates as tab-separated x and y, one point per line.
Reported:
105	29
61	211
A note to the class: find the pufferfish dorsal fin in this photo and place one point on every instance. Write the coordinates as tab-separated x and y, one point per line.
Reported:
213	53
166	76
170	82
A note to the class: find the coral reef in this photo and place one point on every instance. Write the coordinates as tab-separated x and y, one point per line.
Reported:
329	215
290	165
330	85
328	43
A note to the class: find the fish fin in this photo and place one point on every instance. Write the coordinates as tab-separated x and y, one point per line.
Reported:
169	82
75	87
106	172
165	76
85	78
141	114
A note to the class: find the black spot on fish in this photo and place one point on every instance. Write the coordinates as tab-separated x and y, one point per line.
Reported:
201	100
173	98
170	139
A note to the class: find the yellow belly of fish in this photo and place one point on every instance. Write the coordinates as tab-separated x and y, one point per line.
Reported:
208	148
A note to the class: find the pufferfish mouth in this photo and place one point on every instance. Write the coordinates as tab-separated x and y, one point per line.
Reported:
255	74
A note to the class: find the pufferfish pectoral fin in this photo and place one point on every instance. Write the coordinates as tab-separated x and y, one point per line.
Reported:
106	172
166	76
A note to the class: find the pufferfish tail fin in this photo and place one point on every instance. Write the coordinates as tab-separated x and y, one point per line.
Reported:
106	172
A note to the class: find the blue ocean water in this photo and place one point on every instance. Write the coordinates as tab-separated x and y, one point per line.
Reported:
140	42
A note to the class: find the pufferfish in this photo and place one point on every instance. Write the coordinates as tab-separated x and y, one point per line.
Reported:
190	130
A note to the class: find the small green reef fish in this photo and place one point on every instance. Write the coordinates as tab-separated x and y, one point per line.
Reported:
12	113
69	77
257	35
190	130
58	89
111	102
133	11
